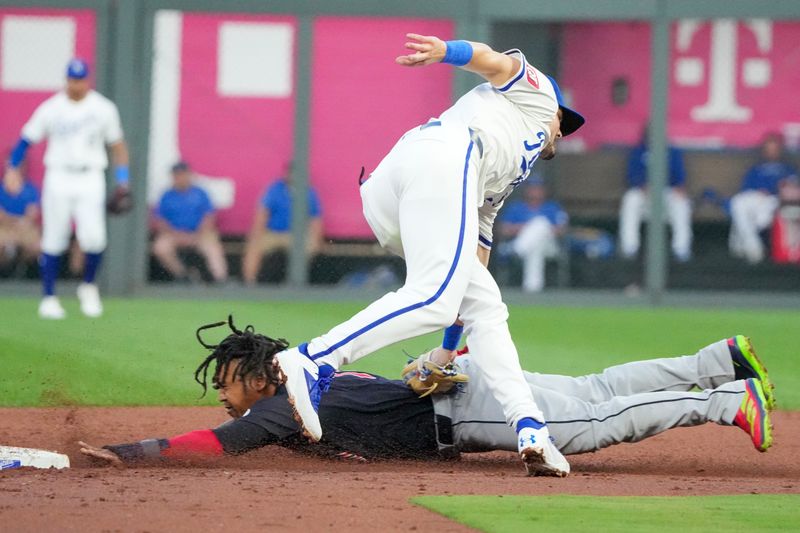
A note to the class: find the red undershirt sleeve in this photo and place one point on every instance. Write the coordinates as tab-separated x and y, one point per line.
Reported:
195	443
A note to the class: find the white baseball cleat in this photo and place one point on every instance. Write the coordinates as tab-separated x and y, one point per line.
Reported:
50	308
89	297
305	383
539	454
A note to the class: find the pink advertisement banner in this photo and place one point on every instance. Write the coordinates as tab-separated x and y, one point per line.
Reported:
730	81
235	126
27	80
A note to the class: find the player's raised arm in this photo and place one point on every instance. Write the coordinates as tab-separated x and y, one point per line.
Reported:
494	67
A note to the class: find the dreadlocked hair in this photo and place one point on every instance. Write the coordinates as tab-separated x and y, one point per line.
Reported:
253	351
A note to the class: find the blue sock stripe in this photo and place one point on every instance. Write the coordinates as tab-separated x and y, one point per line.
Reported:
48	265
528	423
439	292
91	266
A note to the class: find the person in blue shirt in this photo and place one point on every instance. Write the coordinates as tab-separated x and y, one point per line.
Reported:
19	211
753	207
634	206
185	219
271	229
534	224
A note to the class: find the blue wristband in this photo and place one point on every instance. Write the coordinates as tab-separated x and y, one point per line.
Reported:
18	153
452	336
458	53
122	174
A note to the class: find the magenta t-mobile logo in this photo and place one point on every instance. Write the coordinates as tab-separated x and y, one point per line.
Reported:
723	67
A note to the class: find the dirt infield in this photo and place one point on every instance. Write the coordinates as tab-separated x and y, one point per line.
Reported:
274	488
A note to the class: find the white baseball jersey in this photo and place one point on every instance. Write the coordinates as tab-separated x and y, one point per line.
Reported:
512	122
77	132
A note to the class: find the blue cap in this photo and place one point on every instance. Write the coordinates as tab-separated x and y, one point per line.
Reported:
571	120
180	166
77	69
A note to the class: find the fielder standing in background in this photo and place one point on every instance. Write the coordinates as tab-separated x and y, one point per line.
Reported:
78	124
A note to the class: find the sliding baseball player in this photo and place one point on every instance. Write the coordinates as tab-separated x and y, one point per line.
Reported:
433	200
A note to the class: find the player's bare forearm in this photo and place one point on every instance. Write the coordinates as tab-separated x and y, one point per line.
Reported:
483	255
12	174
161	225
119	154
494	67
28	220
208	224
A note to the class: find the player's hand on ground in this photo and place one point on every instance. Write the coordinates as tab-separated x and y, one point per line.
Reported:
102	454
426	50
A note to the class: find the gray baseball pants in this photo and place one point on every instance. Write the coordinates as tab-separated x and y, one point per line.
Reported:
624	403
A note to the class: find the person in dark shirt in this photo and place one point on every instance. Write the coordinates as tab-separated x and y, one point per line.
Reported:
634	206
272	226
185	219
370	417
19	211
753	207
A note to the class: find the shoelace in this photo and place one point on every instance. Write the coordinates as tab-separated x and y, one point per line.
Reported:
326	375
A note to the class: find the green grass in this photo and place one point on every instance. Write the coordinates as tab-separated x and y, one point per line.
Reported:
143	352
566	514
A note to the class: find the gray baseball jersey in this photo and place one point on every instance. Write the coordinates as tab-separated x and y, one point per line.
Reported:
624	403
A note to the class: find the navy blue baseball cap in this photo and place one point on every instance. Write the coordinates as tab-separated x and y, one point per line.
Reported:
571	120
180	166
77	69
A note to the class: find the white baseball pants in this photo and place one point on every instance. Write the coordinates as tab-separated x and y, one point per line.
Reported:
634	209
751	213
535	242
78	197
421	202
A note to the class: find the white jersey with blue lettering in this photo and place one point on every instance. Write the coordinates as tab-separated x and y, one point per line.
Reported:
512	123
430	200
77	132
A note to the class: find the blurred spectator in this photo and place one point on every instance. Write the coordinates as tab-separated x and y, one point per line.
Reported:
534	223
19	211
271	229
185	219
634	206
753	208
786	228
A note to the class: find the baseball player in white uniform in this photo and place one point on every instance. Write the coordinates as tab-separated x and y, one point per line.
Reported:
78	123
433	200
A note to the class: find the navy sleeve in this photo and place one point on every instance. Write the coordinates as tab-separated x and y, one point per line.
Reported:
269	421
677	170
637	170
789	171
750	180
